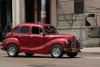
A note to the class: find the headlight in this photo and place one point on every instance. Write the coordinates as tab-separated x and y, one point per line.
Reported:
67	42
79	41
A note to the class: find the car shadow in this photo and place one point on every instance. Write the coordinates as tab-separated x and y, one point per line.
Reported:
37	56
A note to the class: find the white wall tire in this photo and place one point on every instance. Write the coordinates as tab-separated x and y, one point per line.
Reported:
56	51
12	50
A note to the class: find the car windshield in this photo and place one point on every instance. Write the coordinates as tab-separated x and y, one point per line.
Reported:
50	30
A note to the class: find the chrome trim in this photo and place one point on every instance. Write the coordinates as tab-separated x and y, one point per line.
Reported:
74	43
56	51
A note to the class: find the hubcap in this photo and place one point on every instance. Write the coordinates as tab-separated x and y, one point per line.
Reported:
56	52
11	51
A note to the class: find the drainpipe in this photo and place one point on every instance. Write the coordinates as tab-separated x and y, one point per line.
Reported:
43	11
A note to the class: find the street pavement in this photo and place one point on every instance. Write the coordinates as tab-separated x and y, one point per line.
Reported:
88	57
83	59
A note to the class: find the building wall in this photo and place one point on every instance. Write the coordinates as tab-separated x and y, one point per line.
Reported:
64	19
18	12
70	23
92	6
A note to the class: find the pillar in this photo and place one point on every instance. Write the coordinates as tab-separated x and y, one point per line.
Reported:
43	11
53	13
35	11
18	12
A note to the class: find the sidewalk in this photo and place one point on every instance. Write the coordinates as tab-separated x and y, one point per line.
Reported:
91	49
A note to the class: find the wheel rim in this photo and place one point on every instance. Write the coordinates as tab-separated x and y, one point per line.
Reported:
11	51
56	52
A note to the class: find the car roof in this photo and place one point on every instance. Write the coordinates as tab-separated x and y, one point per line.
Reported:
33	24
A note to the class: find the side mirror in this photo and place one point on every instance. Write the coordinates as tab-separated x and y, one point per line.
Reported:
42	34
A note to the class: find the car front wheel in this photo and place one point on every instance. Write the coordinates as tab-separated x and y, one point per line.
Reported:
72	54
56	51
12	50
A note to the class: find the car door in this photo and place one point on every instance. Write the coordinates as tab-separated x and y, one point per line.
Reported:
24	38
37	39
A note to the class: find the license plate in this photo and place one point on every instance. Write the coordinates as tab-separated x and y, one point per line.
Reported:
74	50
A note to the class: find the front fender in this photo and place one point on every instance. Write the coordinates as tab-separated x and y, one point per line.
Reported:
48	45
7	41
60	42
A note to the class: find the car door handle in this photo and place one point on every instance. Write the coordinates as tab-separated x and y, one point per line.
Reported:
18	36
31	36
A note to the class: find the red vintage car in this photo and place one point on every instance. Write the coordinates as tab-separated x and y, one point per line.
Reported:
40	39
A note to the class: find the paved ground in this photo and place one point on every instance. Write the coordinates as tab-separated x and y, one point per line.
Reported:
89	57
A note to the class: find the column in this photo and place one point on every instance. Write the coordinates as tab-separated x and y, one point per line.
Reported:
18	12
35	2
22	11
43	11
53	13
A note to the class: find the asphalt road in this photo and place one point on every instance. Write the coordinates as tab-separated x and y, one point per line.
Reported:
84	59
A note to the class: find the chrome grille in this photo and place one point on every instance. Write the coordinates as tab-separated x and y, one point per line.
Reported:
74	43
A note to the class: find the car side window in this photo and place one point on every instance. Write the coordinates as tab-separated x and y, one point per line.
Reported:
16	30
25	29
36	30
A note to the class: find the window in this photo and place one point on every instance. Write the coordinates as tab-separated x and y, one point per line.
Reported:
36	30
50	30
29	10
16	30
78	6
25	29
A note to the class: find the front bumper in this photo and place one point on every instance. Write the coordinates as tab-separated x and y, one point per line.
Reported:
72	50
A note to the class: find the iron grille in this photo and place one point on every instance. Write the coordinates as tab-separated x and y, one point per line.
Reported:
74	43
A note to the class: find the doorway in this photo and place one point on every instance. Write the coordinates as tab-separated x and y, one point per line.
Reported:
48	11
33	11
5	16
5	13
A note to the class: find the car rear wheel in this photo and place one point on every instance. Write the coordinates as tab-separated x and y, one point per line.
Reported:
72	54
56	51
29	54
12	50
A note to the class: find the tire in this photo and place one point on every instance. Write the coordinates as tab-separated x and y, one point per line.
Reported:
72	54
12	50
29	54
56	51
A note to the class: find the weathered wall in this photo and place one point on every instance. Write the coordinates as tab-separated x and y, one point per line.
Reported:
70	23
